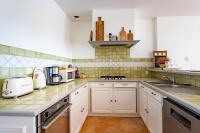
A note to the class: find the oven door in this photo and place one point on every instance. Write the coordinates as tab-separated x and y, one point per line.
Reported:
59	123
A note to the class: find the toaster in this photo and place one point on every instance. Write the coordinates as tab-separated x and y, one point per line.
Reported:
15	87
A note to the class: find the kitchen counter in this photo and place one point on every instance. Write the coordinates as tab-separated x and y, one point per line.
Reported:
32	104
39	100
36	102
188	96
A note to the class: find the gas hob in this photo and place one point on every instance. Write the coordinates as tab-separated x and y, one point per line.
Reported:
113	77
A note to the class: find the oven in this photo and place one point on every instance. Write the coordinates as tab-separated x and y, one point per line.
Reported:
55	119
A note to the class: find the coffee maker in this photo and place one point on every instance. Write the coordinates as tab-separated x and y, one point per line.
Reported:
52	75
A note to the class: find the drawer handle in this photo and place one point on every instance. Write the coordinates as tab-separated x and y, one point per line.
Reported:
124	84
82	110
101	84
153	93
146	111
76	93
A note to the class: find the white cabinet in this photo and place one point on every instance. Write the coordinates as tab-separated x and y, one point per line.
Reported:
79	108
151	109
75	116
117	97
102	100
84	102
155	115
14	124
143	104
124	100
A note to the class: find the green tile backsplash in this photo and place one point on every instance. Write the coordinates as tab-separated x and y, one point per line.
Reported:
180	78
9	50
114	54
129	72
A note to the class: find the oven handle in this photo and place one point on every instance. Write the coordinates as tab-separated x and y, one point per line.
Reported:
47	125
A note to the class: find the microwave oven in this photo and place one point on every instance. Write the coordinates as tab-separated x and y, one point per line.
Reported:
67	75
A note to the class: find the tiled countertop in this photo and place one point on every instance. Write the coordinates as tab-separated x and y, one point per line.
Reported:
36	102
39	100
188	96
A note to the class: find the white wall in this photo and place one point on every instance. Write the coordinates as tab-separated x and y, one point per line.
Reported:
113	20
181	37
38	25
80	37
145	32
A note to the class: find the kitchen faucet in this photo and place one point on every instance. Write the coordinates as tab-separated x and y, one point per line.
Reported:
171	79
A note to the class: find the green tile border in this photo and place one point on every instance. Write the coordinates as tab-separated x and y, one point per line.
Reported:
4	49
114	60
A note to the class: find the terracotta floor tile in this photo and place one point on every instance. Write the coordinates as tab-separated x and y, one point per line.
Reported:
113	125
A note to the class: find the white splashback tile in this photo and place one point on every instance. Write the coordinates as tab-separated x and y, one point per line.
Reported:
19	61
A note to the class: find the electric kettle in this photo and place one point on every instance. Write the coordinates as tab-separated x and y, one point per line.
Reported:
39	80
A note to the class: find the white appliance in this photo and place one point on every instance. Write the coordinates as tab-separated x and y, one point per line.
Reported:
67	74
16	87
39	80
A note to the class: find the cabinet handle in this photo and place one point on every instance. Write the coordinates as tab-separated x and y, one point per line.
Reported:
124	84
111	101
101	84
85	86
82	110
115	100
153	93
142	86
76	93
146	111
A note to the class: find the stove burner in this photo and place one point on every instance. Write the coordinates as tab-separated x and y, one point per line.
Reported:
112	77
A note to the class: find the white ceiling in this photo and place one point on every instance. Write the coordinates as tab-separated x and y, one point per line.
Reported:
144	8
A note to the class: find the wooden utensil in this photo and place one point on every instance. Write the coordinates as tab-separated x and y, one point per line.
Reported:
99	30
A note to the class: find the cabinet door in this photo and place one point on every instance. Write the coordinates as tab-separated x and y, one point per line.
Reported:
75	116
143	105
84	102
101	100
154	115
124	100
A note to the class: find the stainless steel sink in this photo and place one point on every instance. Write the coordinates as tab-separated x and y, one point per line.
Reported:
168	85
165	84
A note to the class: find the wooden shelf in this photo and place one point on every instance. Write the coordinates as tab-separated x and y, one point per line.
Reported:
128	44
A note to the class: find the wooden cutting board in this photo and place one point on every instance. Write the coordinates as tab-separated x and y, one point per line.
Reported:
99	30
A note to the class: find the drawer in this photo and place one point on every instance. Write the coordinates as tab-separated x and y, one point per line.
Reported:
84	86
125	84
156	95
152	93
75	95
144	88
101	84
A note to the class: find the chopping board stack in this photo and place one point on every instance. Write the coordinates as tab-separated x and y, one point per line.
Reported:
99	30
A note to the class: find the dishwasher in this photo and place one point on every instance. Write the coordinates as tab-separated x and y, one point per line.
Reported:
179	119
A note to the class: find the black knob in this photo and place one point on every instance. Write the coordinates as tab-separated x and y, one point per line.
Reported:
46	114
65	100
